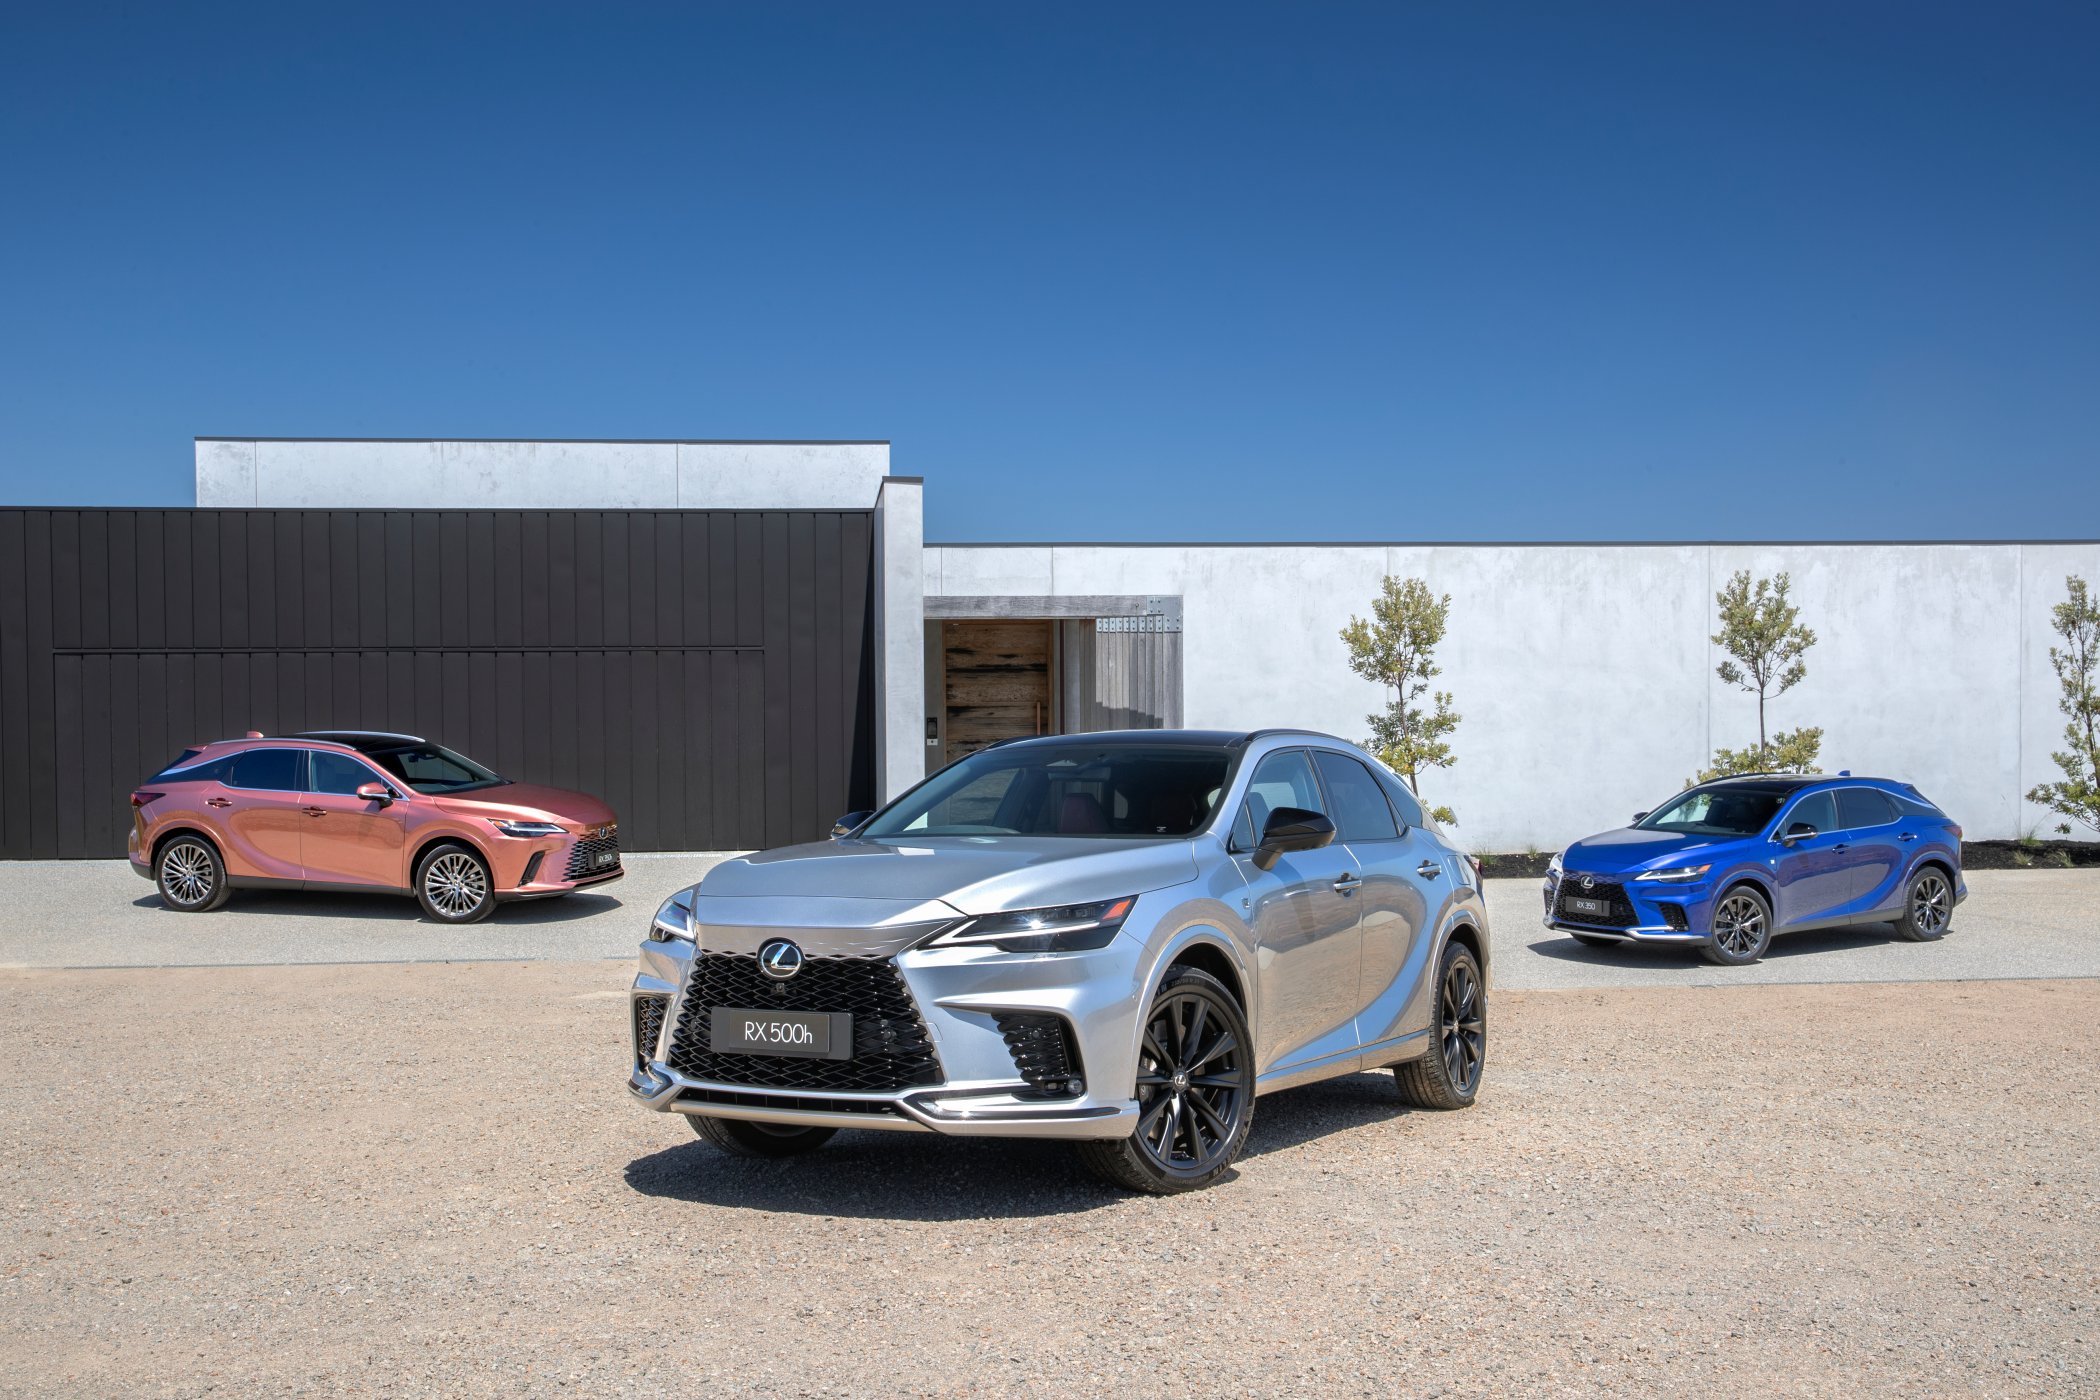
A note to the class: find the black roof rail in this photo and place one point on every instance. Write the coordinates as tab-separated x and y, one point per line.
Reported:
1251	735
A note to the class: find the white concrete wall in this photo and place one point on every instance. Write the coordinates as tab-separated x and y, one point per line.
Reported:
347	472
1585	675
900	656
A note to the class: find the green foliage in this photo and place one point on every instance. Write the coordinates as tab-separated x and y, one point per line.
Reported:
1762	633
1790	751
2077	797
1396	647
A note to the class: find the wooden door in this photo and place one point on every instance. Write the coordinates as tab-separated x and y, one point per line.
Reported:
998	683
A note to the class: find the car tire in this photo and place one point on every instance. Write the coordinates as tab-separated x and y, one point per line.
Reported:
453	884
1449	1075
1928	906
190	874
1742	928
742	1138
1590	940
1195	1091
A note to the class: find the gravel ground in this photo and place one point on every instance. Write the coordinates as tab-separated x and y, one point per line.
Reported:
2023	924
425	1180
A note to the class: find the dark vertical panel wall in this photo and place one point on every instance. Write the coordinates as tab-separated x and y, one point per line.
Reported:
710	673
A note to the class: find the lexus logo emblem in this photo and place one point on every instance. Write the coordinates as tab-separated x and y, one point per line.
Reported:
1588	883
779	959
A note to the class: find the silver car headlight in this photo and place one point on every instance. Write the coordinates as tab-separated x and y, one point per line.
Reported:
674	919
1553	865
1064	928
1680	875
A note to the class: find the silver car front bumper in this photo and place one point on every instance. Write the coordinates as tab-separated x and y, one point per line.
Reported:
956	991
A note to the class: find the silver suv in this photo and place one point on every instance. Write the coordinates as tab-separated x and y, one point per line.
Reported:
1118	938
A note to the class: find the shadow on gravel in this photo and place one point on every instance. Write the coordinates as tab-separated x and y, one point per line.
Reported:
1310	1112
394	908
918	1176
1664	956
884	1176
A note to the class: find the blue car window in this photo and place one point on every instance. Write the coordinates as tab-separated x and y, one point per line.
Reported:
1863	807
1726	809
1817	810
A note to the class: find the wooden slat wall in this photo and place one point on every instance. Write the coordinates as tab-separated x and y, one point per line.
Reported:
709	673
1120	680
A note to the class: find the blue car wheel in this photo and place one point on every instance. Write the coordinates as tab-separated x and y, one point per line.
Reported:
1928	906
1742	928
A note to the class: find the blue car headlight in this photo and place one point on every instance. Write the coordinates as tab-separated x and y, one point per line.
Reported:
1679	875
1065	928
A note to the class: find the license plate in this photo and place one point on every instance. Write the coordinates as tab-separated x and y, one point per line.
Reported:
816	1035
605	858
1599	908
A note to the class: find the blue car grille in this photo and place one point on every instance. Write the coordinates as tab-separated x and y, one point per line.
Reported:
1613	893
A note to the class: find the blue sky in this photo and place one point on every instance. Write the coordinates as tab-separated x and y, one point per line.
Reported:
1118	272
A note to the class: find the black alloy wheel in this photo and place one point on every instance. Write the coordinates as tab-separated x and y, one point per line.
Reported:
1449	1075
190	875
1195	1092
742	1137
1928	906
1742	928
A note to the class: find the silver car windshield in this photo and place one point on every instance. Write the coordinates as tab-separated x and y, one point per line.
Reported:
1068	789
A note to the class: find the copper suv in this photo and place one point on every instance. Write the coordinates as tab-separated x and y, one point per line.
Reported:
353	811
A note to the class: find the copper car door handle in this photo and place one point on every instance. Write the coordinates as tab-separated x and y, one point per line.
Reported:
218	802
315	811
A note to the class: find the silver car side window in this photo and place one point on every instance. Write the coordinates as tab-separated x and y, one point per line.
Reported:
1360	809
1280	780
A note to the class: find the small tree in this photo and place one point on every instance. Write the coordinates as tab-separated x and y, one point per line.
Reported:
1396	647
1762	633
2077	797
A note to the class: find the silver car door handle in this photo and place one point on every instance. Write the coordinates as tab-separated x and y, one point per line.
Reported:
1429	870
1347	884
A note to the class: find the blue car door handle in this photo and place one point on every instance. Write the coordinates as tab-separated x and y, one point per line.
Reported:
1429	870
1842	846
1906	836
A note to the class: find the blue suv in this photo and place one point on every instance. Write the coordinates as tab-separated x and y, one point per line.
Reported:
1729	863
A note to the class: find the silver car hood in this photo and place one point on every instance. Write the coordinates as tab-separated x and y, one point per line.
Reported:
974	874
